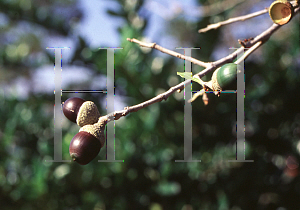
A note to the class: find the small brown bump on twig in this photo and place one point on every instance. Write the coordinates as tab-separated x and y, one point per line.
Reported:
245	42
241	42
162	97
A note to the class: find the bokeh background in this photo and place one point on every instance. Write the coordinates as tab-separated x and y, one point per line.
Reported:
150	140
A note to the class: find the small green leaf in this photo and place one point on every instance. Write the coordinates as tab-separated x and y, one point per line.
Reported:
188	75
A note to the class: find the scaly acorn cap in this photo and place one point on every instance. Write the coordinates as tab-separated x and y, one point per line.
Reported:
281	12
96	130
88	114
214	82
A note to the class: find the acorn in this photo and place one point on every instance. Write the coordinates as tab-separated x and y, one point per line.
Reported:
80	111
86	144
224	78
281	12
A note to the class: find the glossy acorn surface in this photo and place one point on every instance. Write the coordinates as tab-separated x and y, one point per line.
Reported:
84	147
226	76
71	108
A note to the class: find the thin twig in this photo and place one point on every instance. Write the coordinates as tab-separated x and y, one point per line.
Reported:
232	20
218	7
196	95
158	98
253	44
263	37
240	18
169	52
248	52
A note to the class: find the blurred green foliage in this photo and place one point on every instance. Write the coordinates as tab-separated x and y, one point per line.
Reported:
151	139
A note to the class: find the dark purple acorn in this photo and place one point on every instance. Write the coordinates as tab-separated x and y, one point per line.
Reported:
86	144
84	147
71	108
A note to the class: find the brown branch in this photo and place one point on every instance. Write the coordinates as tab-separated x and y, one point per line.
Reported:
249	52
169	52
232	20
240	18
253	44
135	108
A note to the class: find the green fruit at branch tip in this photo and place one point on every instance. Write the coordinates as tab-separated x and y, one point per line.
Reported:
226	76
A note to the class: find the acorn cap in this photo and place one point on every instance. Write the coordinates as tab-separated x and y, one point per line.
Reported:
214	82
88	114
97	130
281	12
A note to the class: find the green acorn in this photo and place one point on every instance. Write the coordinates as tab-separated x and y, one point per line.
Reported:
224	78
